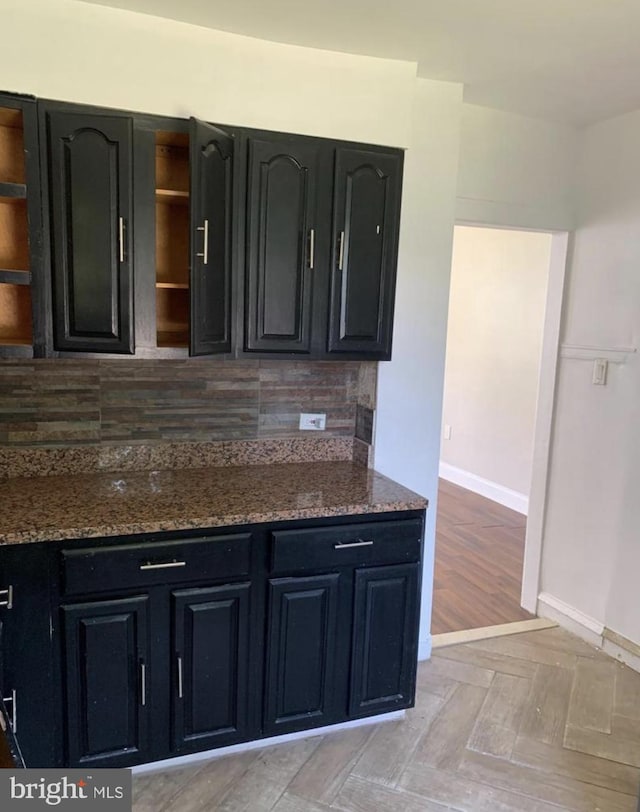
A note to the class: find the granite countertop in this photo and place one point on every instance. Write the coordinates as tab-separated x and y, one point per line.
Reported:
111	504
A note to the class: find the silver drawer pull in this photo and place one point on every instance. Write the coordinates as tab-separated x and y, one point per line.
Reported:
358	543
166	566
8	593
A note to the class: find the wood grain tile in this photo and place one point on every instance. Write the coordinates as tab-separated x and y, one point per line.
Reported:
445	740
627	693
358	795
546	713
591	703
489	660
453	790
498	722
326	770
588	769
622	747
568	793
443	666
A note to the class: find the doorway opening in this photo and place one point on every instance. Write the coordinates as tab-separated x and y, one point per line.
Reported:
502	342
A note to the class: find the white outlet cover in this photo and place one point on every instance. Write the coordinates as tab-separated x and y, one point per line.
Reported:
312	422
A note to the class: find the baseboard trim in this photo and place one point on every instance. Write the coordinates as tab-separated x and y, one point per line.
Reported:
260	744
487	632
424	648
484	487
570	618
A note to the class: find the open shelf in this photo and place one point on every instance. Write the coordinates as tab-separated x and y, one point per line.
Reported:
14	235
13	191
12	169
15	315
172	317
172	162
172	196
172	239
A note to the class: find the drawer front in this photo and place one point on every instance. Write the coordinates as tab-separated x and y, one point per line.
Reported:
101	569
350	545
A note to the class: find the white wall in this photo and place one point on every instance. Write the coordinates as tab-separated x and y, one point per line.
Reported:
515	171
410	386
494	338
591	552
91	54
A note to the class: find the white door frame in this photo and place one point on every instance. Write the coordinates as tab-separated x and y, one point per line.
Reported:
545	403
544	421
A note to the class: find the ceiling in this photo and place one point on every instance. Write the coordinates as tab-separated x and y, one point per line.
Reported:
576	61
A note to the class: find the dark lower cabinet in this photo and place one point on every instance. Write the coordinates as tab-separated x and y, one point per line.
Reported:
211	666
107	681
384	655
156	646
301	652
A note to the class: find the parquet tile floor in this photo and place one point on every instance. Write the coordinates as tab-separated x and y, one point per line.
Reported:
533	722
478	562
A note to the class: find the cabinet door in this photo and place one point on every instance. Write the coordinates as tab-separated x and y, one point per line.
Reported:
211	171
90	190
366	221
107	679
301	645
385	639
281	247
210	672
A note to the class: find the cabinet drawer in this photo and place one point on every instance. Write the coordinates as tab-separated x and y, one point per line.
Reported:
101	569
346	545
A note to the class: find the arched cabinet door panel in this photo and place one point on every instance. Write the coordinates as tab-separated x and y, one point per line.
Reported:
211	174
90	194
366	221
281	245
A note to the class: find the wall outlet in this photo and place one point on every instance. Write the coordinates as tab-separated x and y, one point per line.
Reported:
447	431
312	422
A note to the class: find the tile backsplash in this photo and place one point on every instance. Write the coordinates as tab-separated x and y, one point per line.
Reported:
69	402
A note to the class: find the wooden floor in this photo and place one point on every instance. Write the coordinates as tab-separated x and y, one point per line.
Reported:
534	722
478	565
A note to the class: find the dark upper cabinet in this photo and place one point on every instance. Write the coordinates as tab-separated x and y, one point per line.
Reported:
211	173
106	676
366	221
89	161
311	290
282	243
211	666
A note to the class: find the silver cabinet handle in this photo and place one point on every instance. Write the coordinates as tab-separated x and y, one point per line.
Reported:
165	566
312	247
14	710
341	252
8	603
359	543
121	237
205	246
143	684
180	691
